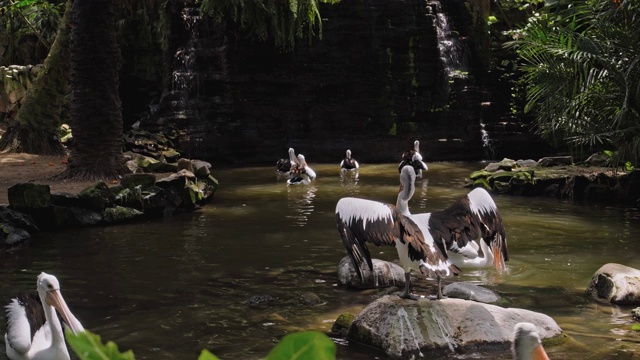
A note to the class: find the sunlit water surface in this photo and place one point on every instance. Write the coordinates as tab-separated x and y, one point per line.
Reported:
167	289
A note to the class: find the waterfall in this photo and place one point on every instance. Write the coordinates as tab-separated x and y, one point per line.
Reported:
451	50
487	143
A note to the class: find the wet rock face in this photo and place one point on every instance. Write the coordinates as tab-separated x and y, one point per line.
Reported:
406	328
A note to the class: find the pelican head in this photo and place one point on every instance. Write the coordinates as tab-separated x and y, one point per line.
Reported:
348	154
49	292
292	156
301	160
526	343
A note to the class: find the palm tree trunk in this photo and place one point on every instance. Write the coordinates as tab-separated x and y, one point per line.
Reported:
35	129
96	114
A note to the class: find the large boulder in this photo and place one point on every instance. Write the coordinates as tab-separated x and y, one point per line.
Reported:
28	196
469	291
406	328
617	284
385	274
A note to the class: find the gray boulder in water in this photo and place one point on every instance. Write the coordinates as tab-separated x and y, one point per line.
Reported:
385	274
617	284
406	328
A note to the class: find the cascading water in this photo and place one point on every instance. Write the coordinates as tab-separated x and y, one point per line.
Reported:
451	50
195	96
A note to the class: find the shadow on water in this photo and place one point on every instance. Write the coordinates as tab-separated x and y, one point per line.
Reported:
260	262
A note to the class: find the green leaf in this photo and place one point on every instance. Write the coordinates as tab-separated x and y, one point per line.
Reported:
88	346
635	327
304	345
206	355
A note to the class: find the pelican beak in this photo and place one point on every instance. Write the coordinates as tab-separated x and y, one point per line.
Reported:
539	354
54	298
498	260
423	165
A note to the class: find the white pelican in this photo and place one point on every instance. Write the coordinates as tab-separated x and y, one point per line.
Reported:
349	163
474	217
301	173
33	328
411	156
283	166
526	343
360	221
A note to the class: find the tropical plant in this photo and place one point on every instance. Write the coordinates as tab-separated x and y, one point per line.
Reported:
282	20
311	345
581	64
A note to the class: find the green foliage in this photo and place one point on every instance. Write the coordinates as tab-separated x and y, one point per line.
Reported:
303	345
581	61
282	20
88	346
23	18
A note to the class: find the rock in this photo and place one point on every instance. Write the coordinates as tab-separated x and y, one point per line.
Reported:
385	274
406	328
598	159
259	300
636	314
617	284
86	217
311	299
11	235
341	326
181	193
29	196
468	291
555	161
17	219
527	163
146	163
171	155
130	181
201	168
185	164
97	196
119	214
504	164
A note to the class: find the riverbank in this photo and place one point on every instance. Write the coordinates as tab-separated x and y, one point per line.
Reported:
21	168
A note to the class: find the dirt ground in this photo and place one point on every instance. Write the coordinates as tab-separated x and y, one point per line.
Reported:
18	168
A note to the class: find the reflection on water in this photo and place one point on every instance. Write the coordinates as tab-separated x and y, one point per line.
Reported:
236	276
300	201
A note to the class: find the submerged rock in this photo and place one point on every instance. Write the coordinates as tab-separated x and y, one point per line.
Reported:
385	274
617	284
340	327
406	328
468	291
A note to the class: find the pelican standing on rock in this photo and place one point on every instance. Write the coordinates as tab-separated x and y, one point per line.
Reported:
360	221
526	343
349	163
33	328
474	218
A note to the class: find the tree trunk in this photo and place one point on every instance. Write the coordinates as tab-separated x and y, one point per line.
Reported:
35	129
96	114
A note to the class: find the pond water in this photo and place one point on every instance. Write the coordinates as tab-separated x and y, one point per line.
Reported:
167	289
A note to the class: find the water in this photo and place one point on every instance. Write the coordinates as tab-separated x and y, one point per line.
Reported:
169	288
451	50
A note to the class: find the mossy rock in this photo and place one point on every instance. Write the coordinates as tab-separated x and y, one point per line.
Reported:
97	196
171	155
29	196
341	326
522	178
143	180
483	183
120	214
480	174
502	176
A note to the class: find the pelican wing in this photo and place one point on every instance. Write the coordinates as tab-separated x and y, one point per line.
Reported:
482	205
25	316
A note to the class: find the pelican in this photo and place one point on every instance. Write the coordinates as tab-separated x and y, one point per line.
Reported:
283	166
33	328
410	156
301	173
349	163
475	218
360	221
526	343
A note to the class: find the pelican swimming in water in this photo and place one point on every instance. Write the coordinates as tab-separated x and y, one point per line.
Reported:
410	157
33	328
283	166
526	344
301	173
360	221
349	163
